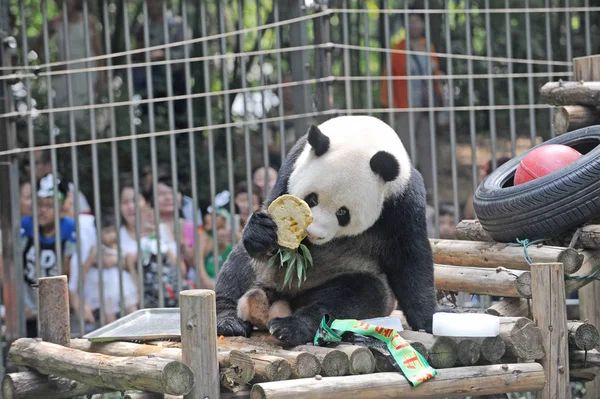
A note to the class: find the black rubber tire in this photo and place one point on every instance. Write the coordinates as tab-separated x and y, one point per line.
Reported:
547	206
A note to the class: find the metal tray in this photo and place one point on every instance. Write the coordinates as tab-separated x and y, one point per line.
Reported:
143	324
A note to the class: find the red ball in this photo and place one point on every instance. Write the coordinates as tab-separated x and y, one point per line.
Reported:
543	161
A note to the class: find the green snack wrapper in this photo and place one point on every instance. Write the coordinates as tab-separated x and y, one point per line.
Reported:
413	365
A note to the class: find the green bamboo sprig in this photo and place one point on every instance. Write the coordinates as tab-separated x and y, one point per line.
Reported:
300	258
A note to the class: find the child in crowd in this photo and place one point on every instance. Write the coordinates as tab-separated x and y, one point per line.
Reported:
110	278
47	257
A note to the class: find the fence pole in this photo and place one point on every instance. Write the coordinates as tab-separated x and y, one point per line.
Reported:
299	65
12	272
324	99
199	342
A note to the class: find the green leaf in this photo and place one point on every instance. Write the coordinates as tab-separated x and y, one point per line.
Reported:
272	260
288	277
306	253
300	268
287	256
280	258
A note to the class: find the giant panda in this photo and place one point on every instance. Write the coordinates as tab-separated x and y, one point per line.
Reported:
368	238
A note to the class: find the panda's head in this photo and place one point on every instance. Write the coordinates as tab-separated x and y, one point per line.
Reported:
349	166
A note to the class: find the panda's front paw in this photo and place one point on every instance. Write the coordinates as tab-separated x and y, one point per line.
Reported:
292	330
260	235
233	326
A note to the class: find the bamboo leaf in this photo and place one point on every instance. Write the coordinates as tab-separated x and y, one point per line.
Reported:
288	277
300	269
272	260
306	253
287	256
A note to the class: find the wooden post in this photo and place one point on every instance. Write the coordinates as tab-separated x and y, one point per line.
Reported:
55	324
550	314
588	69
199	342
589	298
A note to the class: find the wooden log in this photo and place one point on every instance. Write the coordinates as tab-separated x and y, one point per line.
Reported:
471	230
149	395
484	281
586	375
493	349
468	352
152	374
452	382
589	297
270	368
443	351
570	93
550	315
234	365
583	336
361	359
583	359
199	341
510	307
523	339
303	364
334	362
587	68
33	385
492	254
590	267
572	117
55	324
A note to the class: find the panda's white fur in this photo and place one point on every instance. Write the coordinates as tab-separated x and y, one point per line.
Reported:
356	162
342	176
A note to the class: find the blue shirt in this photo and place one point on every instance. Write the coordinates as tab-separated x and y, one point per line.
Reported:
48	258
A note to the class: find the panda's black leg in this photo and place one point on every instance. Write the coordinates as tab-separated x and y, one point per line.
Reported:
345	297
235	278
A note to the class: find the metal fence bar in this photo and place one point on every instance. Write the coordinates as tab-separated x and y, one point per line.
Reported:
511	89
114	158
549	57
532	122
247	145
471	101
37	269
173	147
588	35
491	97
227	112
263	125
153	160
211	145
432	129
388	65
368	61
135	162
568	35
10	223
452	120
95	169
198	263
279	89
412	139
346	55
75	173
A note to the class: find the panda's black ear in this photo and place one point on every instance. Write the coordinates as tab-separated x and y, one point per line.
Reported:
386	165
317	140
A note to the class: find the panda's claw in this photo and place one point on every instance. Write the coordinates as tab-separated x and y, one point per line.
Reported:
233	326
291	330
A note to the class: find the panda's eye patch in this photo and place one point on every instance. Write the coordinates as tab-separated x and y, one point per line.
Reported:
343	216
312	199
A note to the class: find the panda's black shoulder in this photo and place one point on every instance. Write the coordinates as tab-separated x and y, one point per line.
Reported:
404	212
